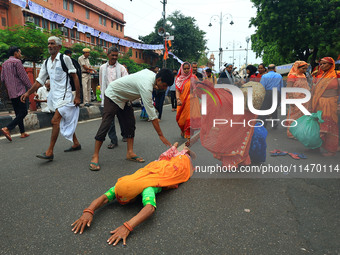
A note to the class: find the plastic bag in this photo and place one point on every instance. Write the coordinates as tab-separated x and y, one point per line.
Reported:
258	146
307	130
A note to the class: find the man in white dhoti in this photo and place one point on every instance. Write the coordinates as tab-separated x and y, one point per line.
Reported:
60	99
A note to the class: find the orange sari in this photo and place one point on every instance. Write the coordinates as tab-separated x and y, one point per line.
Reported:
168	171
188	114
299	81
329	131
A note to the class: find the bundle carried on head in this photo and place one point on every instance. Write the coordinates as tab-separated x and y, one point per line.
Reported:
258	94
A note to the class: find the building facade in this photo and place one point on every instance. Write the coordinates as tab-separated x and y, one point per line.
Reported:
91	13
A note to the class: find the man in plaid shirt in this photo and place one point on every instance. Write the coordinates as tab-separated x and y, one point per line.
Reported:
14	76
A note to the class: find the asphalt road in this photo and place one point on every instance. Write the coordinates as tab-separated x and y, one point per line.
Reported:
225	213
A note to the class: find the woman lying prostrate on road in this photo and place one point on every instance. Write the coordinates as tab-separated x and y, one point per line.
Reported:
172	168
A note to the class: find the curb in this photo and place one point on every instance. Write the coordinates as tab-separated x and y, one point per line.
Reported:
38	120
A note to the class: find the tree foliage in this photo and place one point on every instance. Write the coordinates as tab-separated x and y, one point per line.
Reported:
31	40
189	42
97	54
288	30
132	66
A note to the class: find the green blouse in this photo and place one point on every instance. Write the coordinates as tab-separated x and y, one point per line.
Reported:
148	195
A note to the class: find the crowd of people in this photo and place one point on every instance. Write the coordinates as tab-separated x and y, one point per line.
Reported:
59	86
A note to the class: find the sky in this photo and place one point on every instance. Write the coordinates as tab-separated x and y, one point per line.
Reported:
141	16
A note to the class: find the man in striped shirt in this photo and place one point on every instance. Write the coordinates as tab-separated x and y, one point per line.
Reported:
14	76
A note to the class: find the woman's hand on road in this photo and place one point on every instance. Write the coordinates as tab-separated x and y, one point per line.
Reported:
120	233
80	224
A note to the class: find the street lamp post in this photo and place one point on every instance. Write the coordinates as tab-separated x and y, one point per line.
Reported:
221	18
247	40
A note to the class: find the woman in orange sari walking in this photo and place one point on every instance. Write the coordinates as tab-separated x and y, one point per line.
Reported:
325	96
297	79
188	113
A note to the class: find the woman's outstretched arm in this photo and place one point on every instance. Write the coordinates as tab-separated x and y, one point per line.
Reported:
87	217
122	232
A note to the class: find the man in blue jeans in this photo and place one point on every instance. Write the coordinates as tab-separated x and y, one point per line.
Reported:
15	78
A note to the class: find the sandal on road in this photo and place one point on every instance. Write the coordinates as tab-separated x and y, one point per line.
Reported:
294	156
278	153
136	159
6	134
94	166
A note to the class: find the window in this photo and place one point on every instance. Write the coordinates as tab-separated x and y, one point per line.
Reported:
71	6
65	31
117	26
102	20
140	55
65	4
72	32
97	40
121	28
3	21
37	21
87	13
111	24
53	25
101	42
44	24
136	54
77	35
104	43
92	39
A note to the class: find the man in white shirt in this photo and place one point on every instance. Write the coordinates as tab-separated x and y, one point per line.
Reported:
42	95
60	99
109	72
117	99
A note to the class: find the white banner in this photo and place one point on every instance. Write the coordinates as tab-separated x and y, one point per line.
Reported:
69	23
48	14
36	8
21	3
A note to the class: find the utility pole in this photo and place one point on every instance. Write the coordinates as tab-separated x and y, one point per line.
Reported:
164	36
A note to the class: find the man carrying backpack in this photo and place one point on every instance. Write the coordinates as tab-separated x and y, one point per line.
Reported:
60	70
78	68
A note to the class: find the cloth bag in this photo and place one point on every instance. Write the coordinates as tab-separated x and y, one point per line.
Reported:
258	146
307	130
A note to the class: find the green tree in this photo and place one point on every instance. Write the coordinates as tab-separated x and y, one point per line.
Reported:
31	40
189	42
288	30
97	54
132	66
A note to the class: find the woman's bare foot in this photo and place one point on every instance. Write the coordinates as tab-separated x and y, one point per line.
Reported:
190	152
328	154
175	144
